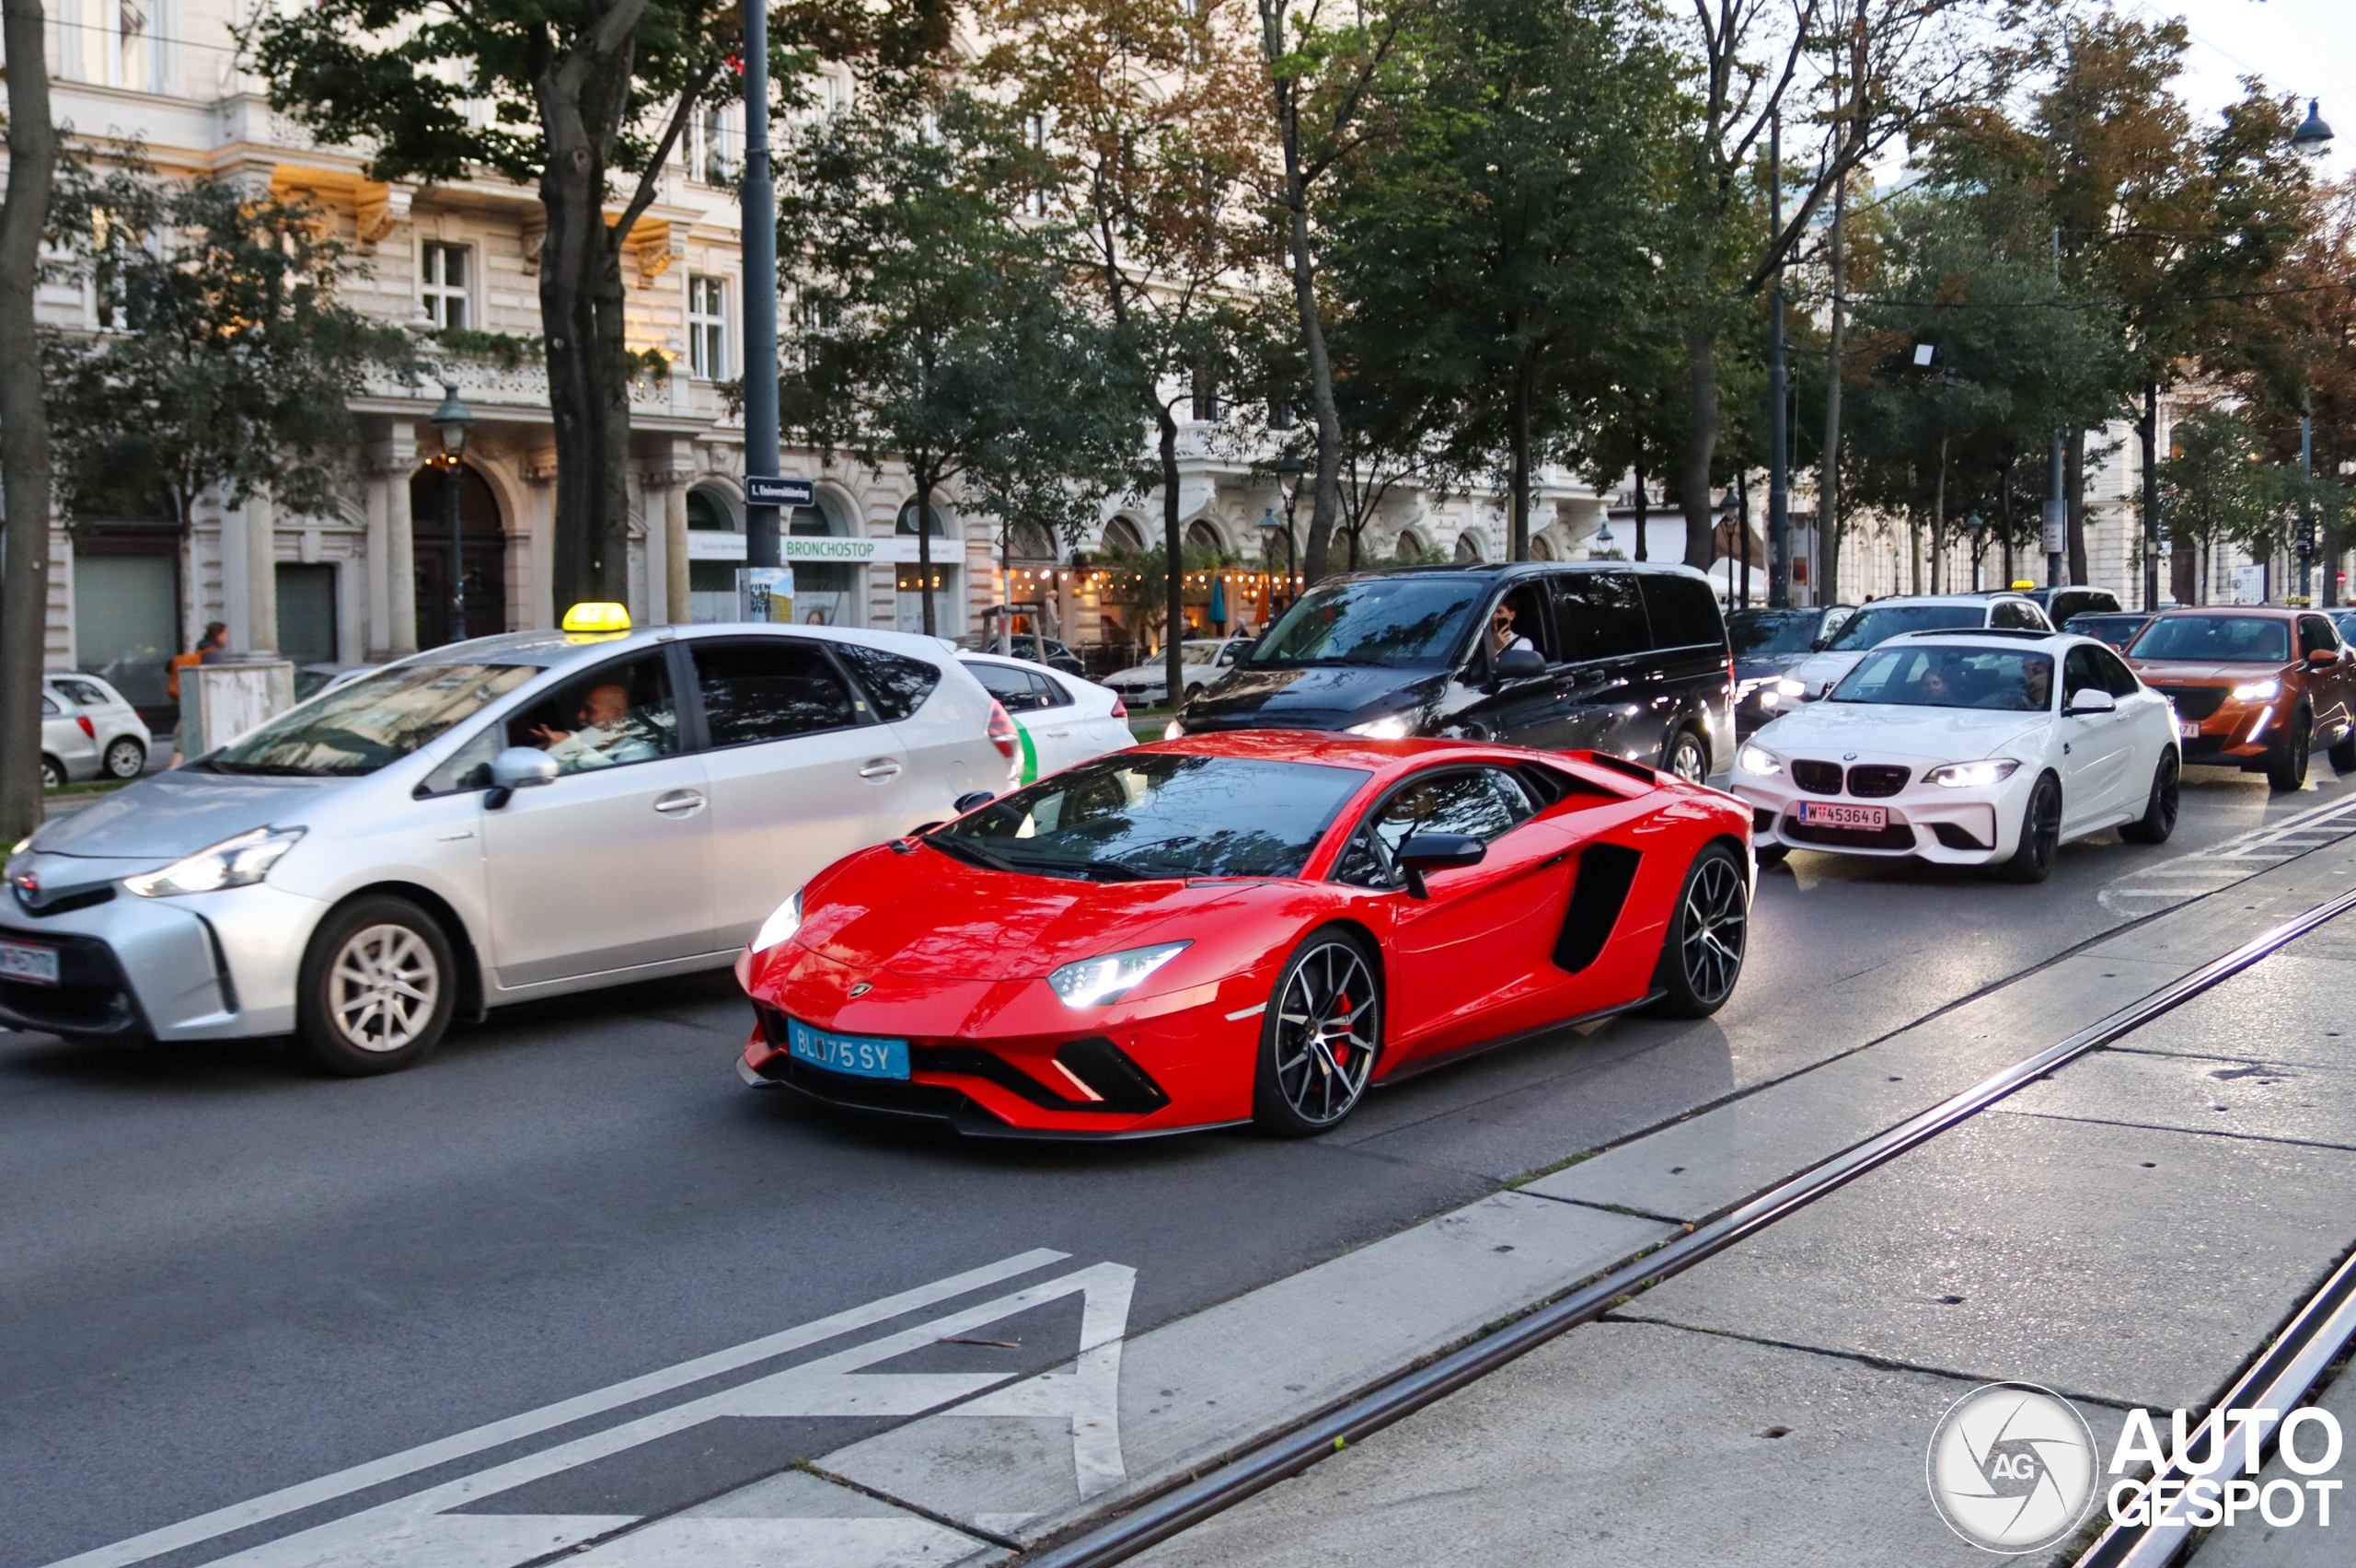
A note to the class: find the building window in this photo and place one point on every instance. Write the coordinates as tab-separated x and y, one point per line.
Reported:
708	144
444	287
707	327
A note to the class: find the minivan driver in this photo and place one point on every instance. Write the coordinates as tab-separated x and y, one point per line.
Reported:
1503	639
607	734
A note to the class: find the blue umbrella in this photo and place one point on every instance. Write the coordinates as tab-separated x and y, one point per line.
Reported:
1219	600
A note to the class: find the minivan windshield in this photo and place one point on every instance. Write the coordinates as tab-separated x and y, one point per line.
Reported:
361	727
1875	625
1135	816
2215	640
1766	634
1404	622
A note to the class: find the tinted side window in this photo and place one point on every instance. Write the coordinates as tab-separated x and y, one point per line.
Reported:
2006	613
1483	803
83	693
2316	635
1603	614
50	704
1018	691
2079	671
768	688
898	684
1683	612
621	713
2120	679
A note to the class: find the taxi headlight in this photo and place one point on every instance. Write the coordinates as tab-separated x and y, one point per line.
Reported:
2258	691
1390	727
1092	981
233	862
1753	759
780	925
1973	774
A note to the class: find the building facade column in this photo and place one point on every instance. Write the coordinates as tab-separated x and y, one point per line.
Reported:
391	462
257	563
665	481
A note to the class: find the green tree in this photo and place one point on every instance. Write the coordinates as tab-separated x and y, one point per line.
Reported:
228	363
935	320
566	96
2217	487
25	474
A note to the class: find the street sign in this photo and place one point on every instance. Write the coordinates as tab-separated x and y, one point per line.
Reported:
766	490
2056	526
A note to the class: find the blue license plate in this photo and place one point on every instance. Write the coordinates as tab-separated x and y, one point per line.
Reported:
859	1055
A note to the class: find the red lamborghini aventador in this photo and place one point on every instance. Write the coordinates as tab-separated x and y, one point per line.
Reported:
1252	926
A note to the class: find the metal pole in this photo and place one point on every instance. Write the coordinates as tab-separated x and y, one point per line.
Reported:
1779	476
2057	505
2308	506
759	195
457	550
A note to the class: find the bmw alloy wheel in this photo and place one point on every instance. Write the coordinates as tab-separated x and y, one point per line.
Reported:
1327	1031
383	987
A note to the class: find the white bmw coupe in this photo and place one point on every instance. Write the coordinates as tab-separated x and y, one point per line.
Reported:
1964	748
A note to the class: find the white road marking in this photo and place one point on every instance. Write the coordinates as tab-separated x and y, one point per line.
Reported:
1088	1397
2230	860
359	1478
418	1531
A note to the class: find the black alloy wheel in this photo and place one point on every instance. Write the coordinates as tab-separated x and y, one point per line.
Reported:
2343	752
2160	807
1320	1037
2286	768
2040	834
1688	758
1701	958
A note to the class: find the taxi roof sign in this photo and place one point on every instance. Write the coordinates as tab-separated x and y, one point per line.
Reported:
597	618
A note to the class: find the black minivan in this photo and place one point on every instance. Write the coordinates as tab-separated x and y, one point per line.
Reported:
1619	657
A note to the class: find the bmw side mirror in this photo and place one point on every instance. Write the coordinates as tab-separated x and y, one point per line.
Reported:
2090	700
1437	852
1520	665
518	767
973	801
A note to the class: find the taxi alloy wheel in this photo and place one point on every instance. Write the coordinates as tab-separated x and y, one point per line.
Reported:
1319	1038
1702	957
378	988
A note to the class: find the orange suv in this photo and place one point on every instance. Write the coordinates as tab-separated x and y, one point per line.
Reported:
2255	687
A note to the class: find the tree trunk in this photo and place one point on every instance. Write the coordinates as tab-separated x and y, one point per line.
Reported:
1701	445
1173	559
1644	512
2073	488
23	421
2149	434
1325	502
926	479
1517	481
1827	483
1939	519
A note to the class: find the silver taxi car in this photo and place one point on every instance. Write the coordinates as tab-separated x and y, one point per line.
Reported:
501	819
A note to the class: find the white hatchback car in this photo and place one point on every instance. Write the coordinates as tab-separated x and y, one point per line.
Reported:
1062	717
490	821
87	730
1965	749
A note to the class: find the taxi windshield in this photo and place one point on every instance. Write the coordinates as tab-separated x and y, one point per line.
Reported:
360	728
1948	676
1135	817
1877	623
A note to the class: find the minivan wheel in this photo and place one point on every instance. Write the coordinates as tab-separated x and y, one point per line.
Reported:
1688	758
126	759
377	987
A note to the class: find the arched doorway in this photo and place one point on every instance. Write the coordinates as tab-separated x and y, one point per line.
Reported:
482	547
1468	549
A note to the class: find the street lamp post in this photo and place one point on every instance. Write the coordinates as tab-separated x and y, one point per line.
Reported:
2312	140
452	419
1779	477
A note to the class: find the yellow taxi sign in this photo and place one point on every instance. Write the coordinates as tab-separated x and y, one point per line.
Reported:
2023	586
597	618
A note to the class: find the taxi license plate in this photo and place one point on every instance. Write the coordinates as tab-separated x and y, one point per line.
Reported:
2188	729
19	961
1819	814
859	1055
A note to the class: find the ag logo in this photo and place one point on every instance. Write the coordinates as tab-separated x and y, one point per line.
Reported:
2012	1467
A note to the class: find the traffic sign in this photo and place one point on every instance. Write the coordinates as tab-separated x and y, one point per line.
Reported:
766	490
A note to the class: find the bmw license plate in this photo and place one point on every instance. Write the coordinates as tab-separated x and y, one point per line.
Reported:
21	960
860	1056
1823	814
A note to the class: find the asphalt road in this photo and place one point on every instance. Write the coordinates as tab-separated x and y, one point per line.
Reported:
223	1276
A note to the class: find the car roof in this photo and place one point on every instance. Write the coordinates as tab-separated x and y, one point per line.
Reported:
2276	612
1494	570
1980	597
1384	759
1967	635
558	650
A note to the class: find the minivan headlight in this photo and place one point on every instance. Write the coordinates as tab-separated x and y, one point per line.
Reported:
1390	727
233	862
1973	774
780	925
1092	981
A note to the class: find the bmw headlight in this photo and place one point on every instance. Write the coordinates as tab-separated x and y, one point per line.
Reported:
780	925
1092	981
1973	774
233	862
1756	759
2258	691
1390	727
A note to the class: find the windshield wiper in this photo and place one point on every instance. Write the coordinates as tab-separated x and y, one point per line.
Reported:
275	770
1113	870
972	854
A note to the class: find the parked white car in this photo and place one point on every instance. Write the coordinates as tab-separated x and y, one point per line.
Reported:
1202	660
1965	749
87	730
1876	623
494	820
1063	718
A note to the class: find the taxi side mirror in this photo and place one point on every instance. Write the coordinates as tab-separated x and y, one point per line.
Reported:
518	767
